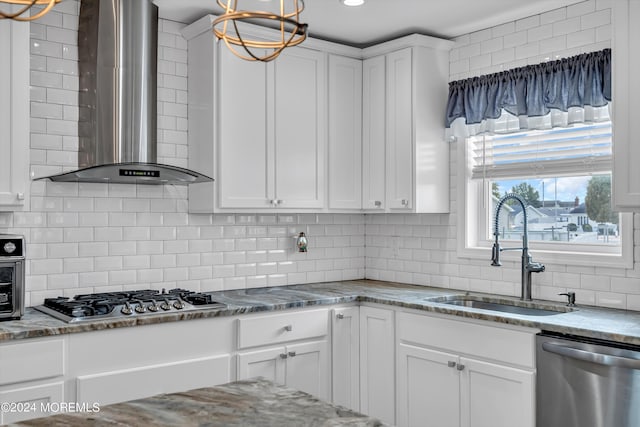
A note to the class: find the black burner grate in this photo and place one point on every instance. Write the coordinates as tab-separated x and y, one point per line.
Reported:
88	305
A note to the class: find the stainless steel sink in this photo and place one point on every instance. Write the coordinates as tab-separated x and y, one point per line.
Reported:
503	305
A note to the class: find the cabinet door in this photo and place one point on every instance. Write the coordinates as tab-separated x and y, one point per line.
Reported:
268	363
345	133
299	124
493	395
400	159
377	364
34	399
14	114
373	133
307	368
244	175
345	358
626	88
428	388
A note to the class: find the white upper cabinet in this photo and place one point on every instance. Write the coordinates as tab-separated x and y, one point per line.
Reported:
14	115
261	129
244	177
626	102
345	133
399	147
373	133
299	95
406	160
319	129
270	133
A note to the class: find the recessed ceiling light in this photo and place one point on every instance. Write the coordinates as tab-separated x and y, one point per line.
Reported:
352	2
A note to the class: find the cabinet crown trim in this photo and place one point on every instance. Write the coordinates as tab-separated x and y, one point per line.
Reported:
203	25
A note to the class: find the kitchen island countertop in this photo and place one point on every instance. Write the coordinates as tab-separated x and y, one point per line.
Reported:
594	322
255	402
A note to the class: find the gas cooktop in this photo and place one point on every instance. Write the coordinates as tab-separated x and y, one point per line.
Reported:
114	305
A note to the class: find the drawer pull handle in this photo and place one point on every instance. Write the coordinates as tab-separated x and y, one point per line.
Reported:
460	367
340	316
451	364
292	354
377	203
288	328
283	355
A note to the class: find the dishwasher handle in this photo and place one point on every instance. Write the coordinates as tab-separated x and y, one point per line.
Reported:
592	357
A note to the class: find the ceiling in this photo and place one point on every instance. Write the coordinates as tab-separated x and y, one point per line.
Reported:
380	20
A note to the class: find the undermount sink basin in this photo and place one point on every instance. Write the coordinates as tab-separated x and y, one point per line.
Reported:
504	305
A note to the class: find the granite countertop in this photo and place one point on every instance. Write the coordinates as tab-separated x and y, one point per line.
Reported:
594	322
256	402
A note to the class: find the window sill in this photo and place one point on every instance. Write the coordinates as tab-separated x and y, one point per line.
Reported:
545	256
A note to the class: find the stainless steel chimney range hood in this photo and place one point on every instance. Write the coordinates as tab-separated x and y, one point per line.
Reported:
117	49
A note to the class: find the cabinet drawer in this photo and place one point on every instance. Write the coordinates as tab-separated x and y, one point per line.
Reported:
33	401
106	388
484	341
275	328
29	360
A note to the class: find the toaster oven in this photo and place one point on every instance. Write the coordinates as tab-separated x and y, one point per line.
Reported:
12	252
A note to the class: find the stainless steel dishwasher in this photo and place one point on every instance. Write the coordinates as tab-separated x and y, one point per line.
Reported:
585	382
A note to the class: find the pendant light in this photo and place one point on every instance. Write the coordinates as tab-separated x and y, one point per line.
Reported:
291	32
26	5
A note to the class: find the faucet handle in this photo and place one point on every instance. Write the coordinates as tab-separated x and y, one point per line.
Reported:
571	298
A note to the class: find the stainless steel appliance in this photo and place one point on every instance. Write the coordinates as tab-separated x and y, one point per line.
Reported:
126	304
12	251
117	44
586	382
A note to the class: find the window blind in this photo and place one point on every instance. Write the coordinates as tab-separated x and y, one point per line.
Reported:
555	152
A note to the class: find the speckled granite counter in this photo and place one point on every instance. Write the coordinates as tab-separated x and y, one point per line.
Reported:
616	325
243	403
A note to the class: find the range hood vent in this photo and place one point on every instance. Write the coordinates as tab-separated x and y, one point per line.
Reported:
117	49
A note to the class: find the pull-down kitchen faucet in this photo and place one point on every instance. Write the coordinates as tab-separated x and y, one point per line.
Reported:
528	266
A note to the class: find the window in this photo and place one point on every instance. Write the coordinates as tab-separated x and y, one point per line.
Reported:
564	175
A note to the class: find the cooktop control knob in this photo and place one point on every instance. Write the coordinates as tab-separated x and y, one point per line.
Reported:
178	305
126	309
140	308
153	307
165	305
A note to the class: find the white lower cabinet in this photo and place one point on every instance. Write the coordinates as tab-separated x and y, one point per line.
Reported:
428	389
300	361
302	366
494	395
345	357
377	363
454	373
30	402
31	378
123	364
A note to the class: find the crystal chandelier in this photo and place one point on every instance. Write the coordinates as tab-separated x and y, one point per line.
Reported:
291	32
26	5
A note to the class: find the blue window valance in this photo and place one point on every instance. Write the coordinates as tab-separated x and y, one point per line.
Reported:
560	90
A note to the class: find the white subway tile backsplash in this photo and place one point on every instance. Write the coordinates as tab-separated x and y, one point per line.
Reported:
503	30
596	19
582	8
581	38
539	33
46	48
526	23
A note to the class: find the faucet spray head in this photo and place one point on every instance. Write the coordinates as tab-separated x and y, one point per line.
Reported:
495	254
